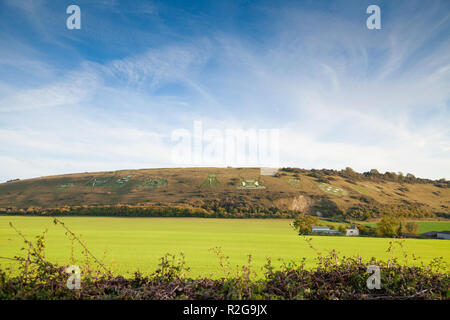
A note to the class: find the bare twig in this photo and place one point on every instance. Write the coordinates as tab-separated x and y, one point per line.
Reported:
56	221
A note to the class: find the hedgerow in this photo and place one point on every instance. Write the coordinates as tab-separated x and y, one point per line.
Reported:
150	210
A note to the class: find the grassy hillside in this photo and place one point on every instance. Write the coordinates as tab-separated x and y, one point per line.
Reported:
221	190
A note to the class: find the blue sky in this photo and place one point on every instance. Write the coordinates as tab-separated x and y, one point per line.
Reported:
108	96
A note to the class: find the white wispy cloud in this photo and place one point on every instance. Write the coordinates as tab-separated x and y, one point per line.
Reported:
73	89
341	96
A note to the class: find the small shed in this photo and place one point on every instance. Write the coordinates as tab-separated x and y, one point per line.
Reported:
436	235
324	230
443	235
429	235
320	229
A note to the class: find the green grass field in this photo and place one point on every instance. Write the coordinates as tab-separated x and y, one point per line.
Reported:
425	226
138	243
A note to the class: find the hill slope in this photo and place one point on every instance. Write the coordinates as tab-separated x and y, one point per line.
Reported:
321	192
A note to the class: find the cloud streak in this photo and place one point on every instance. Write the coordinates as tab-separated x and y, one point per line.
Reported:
340	94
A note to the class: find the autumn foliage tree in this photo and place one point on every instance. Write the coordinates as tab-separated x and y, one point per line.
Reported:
411	227
303	223
389	226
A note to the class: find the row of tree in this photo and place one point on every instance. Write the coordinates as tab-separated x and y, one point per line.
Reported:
237	207
122	210
373	175
393	227
371	210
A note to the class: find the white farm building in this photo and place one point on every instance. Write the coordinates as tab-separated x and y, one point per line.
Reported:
353	232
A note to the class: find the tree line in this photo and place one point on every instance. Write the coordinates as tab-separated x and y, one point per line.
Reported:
372	175
125	210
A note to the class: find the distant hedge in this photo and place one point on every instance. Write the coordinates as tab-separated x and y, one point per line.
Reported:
221	210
